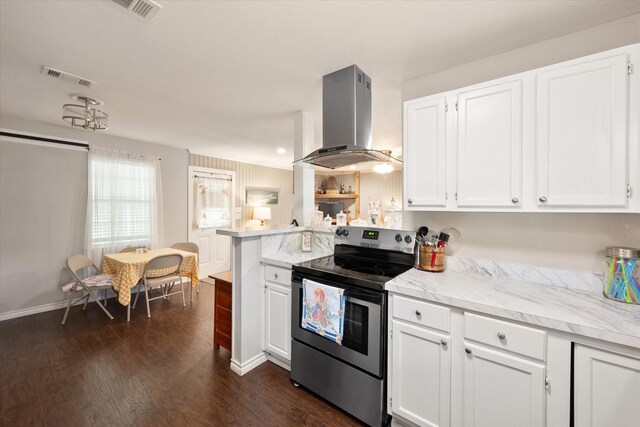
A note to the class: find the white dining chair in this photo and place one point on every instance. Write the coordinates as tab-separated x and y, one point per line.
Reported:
193	248
170	266
86	285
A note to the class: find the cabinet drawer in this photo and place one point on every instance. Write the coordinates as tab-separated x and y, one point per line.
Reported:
277	274
505	335
422	313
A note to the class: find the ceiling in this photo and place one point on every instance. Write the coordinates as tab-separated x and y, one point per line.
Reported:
225	78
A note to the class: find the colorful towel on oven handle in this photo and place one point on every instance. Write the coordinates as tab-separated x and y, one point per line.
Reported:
323	310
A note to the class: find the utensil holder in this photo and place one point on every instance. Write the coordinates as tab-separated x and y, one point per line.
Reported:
622	275
427	260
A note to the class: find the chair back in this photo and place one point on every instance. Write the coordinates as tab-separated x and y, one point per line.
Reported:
79	262
187	247
132	249
163	265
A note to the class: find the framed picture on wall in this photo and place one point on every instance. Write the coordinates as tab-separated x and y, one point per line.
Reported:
257	196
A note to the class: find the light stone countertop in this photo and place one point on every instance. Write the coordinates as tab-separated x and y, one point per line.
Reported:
266	231
288	260
584	313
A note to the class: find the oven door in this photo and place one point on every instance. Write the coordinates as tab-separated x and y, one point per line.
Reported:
362	342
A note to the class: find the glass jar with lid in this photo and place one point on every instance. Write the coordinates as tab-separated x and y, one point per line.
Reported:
622	274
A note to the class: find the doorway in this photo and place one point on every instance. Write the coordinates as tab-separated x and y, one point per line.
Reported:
212	196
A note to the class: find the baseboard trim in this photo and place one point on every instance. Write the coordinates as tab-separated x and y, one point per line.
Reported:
279	361
243	368
33	310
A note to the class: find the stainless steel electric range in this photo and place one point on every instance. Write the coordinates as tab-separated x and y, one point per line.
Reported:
352	376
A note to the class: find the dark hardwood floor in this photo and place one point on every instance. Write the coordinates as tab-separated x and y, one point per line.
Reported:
150	372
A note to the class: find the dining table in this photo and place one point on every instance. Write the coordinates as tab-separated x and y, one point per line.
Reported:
127	269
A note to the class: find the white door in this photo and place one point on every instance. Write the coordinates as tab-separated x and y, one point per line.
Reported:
211	199
490	146
502	390
424	152
278	320
582	134
421	375
606	388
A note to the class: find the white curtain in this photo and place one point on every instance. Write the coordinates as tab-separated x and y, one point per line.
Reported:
213	202
124	204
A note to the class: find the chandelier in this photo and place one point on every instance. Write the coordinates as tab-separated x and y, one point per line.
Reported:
85	115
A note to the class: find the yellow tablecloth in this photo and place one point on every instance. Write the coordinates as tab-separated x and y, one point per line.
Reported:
127	269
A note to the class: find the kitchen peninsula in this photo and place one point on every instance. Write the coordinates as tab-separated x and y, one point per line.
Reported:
254	251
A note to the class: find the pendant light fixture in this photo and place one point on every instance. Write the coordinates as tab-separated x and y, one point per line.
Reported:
85	115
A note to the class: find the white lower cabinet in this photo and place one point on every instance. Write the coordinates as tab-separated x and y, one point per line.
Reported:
277	319
502	390
606	388
448	367
421	375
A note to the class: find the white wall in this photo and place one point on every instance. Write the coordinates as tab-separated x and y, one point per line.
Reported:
572	241
43	198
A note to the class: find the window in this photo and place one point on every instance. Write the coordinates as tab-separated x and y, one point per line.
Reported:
124	202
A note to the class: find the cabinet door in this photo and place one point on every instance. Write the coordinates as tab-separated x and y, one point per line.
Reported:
502	390
278	320
421	375
424	152
582	134
490	146
606	388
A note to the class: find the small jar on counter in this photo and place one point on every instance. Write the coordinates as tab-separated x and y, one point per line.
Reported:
622	274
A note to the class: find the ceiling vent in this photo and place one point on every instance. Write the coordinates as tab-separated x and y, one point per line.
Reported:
144	10
67	77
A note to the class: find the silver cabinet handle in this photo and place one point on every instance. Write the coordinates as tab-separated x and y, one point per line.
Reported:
443	342
515	200
467	350
410	201
543	199
418	313
275	275
501	335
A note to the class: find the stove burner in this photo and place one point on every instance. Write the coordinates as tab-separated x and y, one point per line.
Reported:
387	268
366	270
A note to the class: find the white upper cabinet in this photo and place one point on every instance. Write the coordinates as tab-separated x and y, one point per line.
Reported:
490	146
563	138
581	144
424	152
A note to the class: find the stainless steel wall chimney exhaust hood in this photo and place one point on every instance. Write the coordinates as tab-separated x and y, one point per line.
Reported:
346	122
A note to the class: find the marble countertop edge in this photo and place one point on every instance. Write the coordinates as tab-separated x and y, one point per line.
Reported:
266	231
580	316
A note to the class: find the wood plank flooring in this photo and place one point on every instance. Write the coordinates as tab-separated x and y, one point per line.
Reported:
161	371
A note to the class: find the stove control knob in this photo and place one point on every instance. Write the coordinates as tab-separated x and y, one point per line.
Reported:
408	239
398	238
339	232
345	233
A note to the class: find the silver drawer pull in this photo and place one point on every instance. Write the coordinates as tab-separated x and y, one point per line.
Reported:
515	200
543	199
275	275
418	313
443	342
501	335
467	350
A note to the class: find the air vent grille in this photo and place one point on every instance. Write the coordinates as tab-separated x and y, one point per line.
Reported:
144	10
124	3
67	77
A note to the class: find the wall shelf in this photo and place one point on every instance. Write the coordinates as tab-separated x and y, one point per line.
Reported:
336	196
